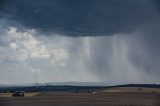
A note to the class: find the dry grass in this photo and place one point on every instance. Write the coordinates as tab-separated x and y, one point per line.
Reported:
31	94
84	99
26	94
5	94
109	97
132	90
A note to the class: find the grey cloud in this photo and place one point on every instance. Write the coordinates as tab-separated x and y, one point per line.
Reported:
117	59
131	53
146	45
81	17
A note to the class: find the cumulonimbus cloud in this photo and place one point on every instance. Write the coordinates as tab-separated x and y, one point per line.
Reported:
81	17
58	40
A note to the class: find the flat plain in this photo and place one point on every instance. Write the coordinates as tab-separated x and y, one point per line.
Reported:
84	99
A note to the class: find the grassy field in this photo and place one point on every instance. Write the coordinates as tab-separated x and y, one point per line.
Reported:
85	99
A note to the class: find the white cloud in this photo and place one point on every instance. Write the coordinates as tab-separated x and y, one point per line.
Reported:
28	46
24	46
13	45
29	52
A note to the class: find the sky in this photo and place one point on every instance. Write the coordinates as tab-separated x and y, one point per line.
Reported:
111	41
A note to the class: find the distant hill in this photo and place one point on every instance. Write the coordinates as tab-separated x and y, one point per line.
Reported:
71	86
139	85
59	83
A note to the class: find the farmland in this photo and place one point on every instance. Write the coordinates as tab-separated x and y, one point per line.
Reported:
85	99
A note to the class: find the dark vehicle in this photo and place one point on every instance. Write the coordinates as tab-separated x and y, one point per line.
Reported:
18	94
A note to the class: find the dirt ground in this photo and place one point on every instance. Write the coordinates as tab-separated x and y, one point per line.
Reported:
84	99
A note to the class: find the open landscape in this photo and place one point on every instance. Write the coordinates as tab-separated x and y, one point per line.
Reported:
79	52
130	96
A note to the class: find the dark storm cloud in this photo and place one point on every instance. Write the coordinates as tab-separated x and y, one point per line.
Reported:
80	17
